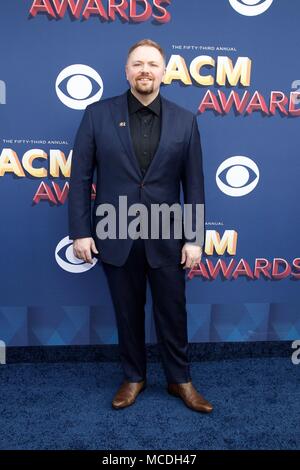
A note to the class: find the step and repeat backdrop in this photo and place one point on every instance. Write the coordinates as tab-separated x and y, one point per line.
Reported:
234	63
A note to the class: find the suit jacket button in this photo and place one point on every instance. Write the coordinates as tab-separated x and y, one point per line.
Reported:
142	185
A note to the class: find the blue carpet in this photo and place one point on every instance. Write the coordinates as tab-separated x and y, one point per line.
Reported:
68	406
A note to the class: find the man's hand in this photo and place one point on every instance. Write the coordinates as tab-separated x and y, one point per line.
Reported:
190	255
83	249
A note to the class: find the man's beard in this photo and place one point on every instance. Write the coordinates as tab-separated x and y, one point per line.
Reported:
144	90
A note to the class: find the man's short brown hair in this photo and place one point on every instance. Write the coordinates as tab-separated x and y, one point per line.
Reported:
147	42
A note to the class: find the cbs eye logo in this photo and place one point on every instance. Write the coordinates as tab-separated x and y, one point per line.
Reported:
251	7
79	86
239	172
71	263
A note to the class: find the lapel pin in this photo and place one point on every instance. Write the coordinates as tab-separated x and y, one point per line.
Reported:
122	124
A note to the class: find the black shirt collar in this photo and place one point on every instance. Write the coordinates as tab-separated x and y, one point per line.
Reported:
135	105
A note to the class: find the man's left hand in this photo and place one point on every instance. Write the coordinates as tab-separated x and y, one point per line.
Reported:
190	255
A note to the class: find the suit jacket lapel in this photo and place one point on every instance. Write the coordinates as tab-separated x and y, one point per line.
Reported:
121	120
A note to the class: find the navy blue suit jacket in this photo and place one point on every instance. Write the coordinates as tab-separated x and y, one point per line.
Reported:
103	144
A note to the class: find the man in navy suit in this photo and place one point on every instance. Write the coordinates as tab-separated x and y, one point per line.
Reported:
144	148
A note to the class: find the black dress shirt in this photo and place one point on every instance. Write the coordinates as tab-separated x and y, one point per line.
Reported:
145	127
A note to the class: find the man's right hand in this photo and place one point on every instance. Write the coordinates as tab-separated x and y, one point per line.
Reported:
83	249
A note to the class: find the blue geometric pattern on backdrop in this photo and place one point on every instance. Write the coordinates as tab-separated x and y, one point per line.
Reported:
58	325
199	318
284	322
103	328
13	326
84	325
239	322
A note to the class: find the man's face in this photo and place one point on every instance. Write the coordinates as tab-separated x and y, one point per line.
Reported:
145	70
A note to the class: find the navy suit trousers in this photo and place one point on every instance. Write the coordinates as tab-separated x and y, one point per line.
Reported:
128	285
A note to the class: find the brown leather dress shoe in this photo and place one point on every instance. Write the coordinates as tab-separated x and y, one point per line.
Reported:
127	394
190	396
